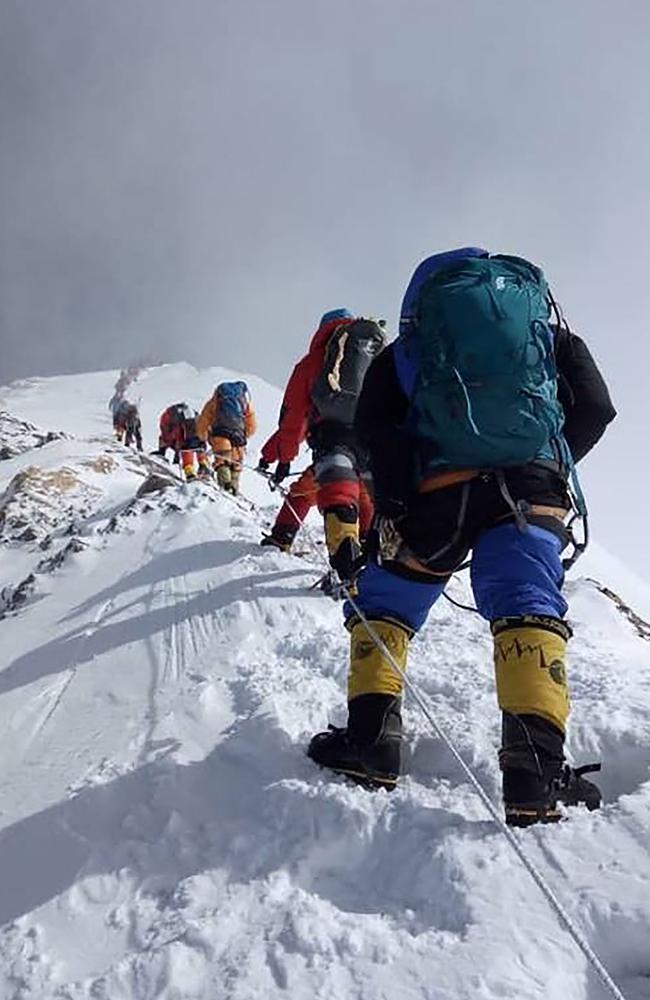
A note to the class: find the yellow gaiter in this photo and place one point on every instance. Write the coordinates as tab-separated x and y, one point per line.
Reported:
530	664
370	670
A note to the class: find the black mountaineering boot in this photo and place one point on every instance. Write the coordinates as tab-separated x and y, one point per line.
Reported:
330	585
281	537
531	759
535	775
347	559
342	539
368	750
572	789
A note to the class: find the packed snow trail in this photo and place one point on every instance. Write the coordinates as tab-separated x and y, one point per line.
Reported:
164	835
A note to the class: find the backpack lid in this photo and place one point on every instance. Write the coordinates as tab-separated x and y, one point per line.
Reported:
231	389
423	271
329	317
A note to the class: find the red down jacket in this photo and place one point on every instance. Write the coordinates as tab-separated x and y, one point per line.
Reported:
297	410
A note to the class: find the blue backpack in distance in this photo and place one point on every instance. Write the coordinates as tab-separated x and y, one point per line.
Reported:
232	401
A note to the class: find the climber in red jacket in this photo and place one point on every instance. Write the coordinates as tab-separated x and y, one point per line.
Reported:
318	407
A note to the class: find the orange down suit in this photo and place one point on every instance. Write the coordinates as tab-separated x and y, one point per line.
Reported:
227	450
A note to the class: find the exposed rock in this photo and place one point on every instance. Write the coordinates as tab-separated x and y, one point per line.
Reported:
103	464
13	598
156	481
55	561
18	436
641	627
38	502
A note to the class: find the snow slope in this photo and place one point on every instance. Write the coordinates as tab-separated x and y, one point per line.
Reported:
162	834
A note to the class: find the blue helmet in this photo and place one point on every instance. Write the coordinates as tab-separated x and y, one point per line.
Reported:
333	314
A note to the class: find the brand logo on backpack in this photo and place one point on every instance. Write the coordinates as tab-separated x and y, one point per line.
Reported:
349	353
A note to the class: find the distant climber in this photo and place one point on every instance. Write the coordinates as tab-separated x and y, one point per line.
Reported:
318	406
127	424
178	432
124	380
226	422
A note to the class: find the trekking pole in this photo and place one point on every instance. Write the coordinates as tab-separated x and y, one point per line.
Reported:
570	926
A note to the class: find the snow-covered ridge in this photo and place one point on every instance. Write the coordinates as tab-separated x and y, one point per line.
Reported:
162	834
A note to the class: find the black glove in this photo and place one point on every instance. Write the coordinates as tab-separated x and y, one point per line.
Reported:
282	470
263	465
389	506
370	546
348	560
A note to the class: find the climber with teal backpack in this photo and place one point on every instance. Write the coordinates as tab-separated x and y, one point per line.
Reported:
474	420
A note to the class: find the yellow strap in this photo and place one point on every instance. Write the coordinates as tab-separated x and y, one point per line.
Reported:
334	378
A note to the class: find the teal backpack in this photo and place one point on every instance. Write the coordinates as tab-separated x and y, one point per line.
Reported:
476	359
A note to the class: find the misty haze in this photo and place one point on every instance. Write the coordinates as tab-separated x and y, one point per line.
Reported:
199	181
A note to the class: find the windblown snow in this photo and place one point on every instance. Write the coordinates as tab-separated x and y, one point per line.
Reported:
164	836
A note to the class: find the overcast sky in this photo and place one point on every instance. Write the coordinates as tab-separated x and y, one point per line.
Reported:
200	179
